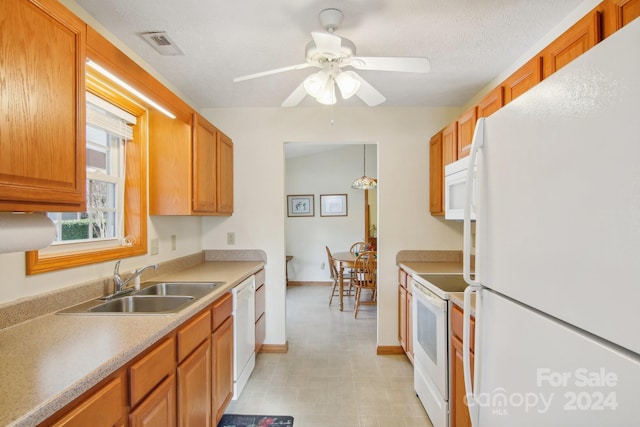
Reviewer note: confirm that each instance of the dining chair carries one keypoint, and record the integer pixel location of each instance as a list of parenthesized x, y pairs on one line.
[(358, 248), (335, 277), (365, 277)]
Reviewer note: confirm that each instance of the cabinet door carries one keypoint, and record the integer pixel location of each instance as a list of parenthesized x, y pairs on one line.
[(204, 166), (527, 76), (104, 408), (582, 36), (42, 145), (402, 313), (222, 351), (459, 410), (491, 103), (194, 388), (466, 127), (224, 188), (410, 325), (158, 409), (436, 175), (618, 13), (450, 144), (169, 165)]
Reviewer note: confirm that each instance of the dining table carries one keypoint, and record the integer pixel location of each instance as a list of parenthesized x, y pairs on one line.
[(343, 260)]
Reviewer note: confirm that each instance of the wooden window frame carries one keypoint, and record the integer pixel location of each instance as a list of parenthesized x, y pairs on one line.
[(135, 217)]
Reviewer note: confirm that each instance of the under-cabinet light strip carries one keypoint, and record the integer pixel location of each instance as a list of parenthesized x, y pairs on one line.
[(134, 91)]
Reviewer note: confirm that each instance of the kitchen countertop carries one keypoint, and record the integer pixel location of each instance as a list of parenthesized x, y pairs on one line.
[(47, 362)]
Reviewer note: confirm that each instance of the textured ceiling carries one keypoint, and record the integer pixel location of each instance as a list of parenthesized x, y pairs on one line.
[(468, 42)]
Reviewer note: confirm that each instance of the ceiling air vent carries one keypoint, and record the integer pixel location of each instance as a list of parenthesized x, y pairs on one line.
[(160, 41)]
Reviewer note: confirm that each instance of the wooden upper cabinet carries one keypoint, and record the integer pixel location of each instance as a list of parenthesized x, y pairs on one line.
[(436, 174), (450, 144), (204, 165), (224, 188), (42, 144), (582, 36), (617, 14), (491, 103), (526, 77), (169, 165), (190, 167), (466, 127)]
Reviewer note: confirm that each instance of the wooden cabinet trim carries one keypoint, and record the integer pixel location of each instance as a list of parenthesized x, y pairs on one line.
[(617, 14), (527, 76), (492, 102)]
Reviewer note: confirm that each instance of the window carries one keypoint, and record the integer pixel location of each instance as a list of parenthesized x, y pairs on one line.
[(114, 225)]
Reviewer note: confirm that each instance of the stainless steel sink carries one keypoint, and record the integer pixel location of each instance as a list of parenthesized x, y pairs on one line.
[(194, 289), (143, 304), (153, 298)]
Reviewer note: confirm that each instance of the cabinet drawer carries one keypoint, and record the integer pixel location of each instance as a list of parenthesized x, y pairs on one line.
[(456, 325), (149, 371), (260, 301), (193, 333), (104, 408), (222, 308)]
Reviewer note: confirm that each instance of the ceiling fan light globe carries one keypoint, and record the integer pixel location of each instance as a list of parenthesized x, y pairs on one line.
[(348, 84), (316, 83), (328, 96)]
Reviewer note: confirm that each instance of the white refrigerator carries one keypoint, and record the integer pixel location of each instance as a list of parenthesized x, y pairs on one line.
[(557, 246)]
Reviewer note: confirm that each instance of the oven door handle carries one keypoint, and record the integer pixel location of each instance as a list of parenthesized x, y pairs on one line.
[(433, 301)]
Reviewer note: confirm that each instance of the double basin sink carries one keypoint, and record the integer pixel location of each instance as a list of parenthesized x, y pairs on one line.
[(153, 298)]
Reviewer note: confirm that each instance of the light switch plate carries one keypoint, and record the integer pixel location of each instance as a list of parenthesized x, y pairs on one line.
[(231, 238), (155, 246)]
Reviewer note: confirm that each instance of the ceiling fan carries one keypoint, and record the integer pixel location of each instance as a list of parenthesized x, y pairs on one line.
[(330, 53)]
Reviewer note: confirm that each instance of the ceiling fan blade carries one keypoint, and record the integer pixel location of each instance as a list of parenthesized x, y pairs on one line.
[(368, 93), (270, 72), (296, 96), (381, 63), (327, 43)]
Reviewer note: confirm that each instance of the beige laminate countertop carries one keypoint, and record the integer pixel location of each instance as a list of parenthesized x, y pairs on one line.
[(47, 362)]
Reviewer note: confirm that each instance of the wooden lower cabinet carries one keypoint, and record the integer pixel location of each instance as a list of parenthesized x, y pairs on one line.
[(194, 388), (103, 408), (459, 412), (159, 408), (222, 367)]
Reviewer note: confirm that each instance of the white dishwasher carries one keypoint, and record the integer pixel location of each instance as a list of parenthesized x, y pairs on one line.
[(244, 334)]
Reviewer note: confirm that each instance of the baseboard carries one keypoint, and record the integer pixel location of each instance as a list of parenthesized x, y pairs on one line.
[(389, 350), (298, 283), (275, 348)]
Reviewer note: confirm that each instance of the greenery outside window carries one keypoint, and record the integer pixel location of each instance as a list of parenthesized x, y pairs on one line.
[(115, 223)]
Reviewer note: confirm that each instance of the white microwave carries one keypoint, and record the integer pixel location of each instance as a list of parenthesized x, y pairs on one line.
[(455, 190)]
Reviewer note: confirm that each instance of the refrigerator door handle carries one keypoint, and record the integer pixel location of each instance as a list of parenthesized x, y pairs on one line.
[(466, 356), (476, 145)]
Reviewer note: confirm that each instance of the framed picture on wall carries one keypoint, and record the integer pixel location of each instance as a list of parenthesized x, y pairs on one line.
[(300, 205), (333, 205)]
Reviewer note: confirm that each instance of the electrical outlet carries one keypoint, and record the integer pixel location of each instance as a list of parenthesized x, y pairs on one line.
[(173, 242), (231, 238), (155, 246), (322, 265)]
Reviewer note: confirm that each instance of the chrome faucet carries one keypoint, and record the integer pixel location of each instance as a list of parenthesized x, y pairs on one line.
[(120, 285)]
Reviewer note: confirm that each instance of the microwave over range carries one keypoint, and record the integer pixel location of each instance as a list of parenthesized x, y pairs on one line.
[(456, 175)]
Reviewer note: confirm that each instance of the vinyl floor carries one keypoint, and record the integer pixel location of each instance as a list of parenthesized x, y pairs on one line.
[(331, 375)]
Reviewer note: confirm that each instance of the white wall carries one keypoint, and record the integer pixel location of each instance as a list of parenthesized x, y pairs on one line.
[(328, 172), (402, 136)]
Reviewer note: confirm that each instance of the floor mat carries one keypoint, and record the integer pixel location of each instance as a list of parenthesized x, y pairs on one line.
[(236, 420)]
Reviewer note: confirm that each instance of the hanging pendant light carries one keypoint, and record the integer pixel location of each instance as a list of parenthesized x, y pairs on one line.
[(364, 182)]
